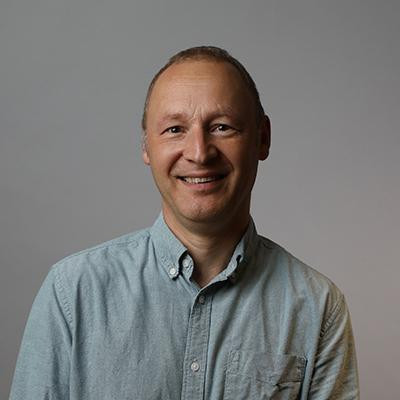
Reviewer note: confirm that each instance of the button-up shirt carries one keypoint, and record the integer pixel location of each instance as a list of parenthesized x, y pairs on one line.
[(125, 320)]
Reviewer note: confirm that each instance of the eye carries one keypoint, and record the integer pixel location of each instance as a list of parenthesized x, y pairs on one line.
[(174, 129), (222, 129)]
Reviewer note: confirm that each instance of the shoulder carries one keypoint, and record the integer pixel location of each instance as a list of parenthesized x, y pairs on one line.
[(296, 278), (102, 258)]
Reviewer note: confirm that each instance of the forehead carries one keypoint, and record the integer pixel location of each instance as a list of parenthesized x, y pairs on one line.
[(200, 70), (200, 82)]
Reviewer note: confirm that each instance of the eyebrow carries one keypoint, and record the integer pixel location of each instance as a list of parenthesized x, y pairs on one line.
[(170, 116), (173, 116)]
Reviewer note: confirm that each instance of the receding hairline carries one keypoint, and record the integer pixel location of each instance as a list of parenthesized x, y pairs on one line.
[(211, 54), (183, 75)]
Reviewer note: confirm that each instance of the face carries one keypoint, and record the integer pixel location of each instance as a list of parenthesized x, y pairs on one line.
[(203, 142)]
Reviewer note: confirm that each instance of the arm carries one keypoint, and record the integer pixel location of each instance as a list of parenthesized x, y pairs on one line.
[(335, 373), (42, 369)]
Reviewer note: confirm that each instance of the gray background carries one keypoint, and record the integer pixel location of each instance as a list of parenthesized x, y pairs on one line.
[(73, 76)]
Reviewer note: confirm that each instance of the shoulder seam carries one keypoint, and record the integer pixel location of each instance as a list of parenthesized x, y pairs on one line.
[(63, 297), (332, 316)]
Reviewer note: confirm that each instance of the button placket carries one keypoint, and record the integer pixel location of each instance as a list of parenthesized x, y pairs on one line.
[(196, 349)]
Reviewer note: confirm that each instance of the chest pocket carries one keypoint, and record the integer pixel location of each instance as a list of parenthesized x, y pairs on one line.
[(263, 376)]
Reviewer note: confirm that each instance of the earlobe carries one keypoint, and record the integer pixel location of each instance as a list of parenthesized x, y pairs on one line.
[(265, 132), (145, 157), (145, 154)]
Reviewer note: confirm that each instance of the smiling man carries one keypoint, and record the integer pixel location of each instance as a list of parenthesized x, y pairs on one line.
[(204, 138), (198, 306)]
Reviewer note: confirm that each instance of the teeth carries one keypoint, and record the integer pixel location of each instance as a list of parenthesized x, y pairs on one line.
[(199, 180)]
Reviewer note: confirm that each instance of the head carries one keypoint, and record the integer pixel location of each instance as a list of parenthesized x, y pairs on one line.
[(205, 132)]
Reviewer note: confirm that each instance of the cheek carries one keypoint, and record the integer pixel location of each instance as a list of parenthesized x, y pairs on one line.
[(163, 158), (246, 169), (244, 159)]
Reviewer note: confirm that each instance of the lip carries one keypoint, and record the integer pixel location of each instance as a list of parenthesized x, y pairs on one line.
[(203, 186), (201, 174)]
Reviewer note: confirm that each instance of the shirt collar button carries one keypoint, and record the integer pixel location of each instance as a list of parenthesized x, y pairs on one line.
[(173, 272), (186, 262)]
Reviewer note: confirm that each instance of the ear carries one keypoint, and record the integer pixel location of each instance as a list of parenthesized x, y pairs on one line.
[(145, 154), (265, 133)]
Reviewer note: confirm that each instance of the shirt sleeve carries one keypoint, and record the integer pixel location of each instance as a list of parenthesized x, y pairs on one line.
[(42, 369), (335, 374)]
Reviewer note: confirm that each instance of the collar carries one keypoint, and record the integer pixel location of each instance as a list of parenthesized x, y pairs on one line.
[(170, 250)]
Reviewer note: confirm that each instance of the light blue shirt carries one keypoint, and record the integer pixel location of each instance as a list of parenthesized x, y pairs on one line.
[(124, 320)]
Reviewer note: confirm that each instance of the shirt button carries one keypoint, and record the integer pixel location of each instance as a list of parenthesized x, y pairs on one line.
[(194, 366), (173, 272), (202, 299), (186, 263)]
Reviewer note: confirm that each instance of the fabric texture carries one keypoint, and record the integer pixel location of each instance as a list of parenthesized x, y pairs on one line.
[(124, 320)]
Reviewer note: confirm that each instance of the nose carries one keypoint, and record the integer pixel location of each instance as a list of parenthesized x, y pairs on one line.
[(199, 147)]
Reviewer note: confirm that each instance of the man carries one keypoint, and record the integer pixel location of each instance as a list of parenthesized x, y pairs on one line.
[(199, 306)]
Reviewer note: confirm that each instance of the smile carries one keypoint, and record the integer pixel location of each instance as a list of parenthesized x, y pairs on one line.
[(198, 180)]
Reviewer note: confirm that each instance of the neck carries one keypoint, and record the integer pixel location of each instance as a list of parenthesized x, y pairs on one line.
[(210, 246)]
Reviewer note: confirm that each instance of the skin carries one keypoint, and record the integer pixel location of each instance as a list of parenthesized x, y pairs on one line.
[(201, 123)]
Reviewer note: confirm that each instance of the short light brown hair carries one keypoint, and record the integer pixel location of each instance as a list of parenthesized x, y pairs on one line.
[(207, 53)]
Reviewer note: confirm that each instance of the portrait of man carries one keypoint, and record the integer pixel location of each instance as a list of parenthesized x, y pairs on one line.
[(199, 305)]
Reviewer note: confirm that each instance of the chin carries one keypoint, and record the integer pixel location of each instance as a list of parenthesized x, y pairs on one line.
[(205, 215)]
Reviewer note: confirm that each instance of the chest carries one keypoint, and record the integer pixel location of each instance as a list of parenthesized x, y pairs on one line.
[(216, 344)]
